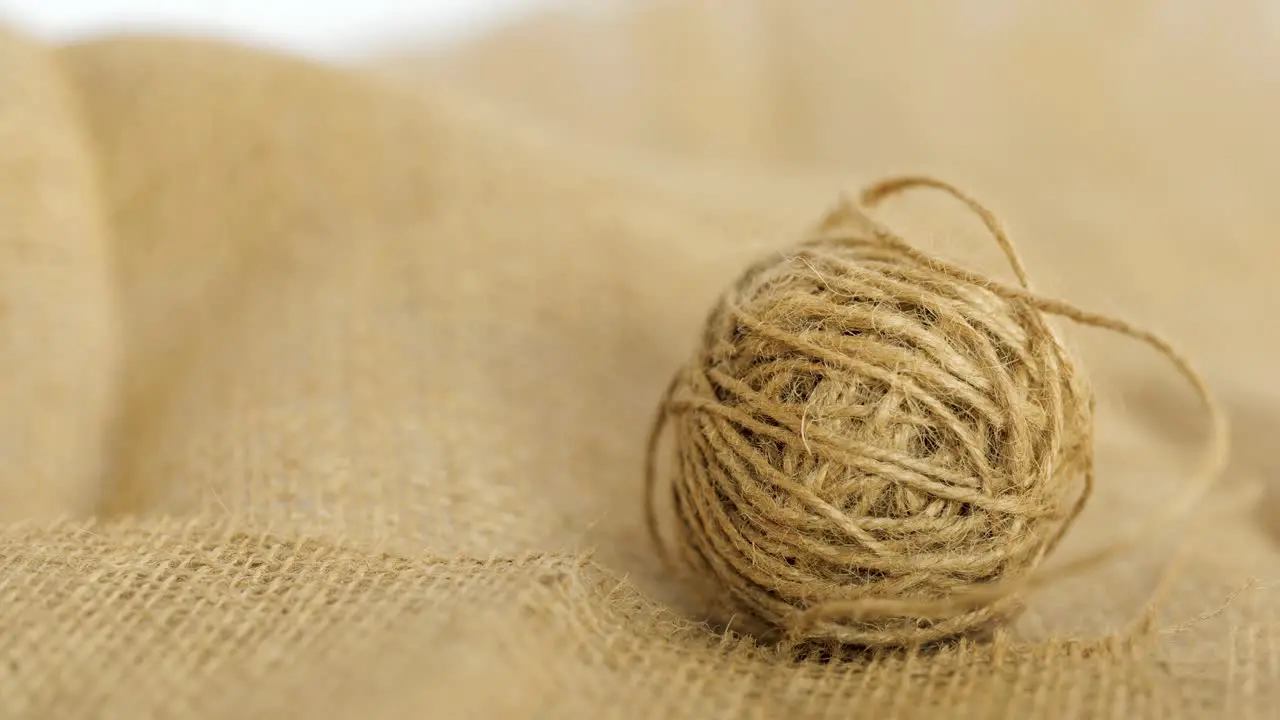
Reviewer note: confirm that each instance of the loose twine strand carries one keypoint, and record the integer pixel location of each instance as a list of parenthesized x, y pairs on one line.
[(1208, 473)]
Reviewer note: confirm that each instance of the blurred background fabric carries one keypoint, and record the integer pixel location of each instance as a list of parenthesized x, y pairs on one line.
[(332, 338), (1087, 124)]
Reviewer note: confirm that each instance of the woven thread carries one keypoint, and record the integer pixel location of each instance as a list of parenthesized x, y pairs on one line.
[(387, 356)]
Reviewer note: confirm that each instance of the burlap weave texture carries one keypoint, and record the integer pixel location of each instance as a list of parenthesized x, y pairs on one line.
[(326, 389)]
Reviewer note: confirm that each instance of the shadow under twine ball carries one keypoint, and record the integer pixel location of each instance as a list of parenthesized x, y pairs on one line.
[(864, 429)]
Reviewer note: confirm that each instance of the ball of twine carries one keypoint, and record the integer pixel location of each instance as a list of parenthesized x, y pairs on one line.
[(876, 447)]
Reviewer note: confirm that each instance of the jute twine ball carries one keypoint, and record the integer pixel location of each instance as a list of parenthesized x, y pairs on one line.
[(866, 434)]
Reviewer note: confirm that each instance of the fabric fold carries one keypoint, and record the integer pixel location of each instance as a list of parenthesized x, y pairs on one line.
[(59, 342)]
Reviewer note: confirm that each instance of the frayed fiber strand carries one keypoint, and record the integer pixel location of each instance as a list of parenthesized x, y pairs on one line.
[(878, 448)]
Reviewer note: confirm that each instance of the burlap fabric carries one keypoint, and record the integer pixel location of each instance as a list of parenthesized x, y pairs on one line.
[(325, 391)]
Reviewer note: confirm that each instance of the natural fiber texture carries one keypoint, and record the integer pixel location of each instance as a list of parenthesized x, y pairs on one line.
[(339, 381), (879, 440), (859, 426)]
